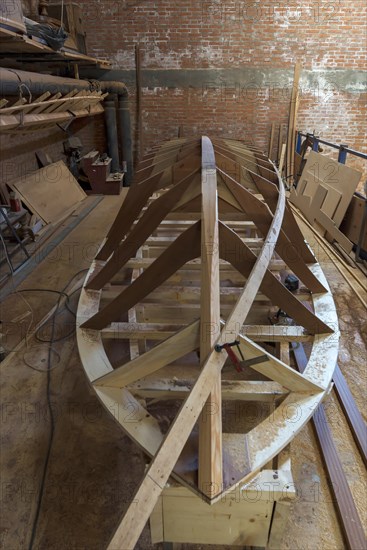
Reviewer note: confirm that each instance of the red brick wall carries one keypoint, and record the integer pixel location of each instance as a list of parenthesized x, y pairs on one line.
[(232, 34), (207, 36)]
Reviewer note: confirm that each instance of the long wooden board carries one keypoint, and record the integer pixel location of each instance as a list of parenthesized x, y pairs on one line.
[(50, 192)]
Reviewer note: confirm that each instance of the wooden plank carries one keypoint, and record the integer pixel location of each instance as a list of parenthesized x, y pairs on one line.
[(156, 523), (30, 122), (351, 225), (280, 518), (168, 293), (160, 331), (232, 390), (210, 421), (354, 278), (282, 157), (50, 192), (284, 247), (195, 265), (133, 417), (270, 193), (333, 231), (233, 521), (352, 414), (343, 498)]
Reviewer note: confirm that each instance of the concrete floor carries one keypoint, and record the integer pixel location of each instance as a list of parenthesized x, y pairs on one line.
[(94, 469)]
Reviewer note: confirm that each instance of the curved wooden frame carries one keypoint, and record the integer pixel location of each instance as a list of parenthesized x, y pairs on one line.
[(210, 239)]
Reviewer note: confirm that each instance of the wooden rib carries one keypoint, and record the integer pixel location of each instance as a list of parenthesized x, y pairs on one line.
[(261, 216), (270, 193), (225, 194), (135, 200), (231, 247), (174, 155), (161, 161), (133, 417), (184, 248), (251, 161), (210, 421), (343, 498), (161, 466), (141, 231), (178, 345)]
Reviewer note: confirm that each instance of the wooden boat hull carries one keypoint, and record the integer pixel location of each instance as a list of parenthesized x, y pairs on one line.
[(196, 261)]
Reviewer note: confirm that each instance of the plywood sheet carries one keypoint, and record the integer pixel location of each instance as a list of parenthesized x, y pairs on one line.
[(325, 185), (352, 222), (50, 192)]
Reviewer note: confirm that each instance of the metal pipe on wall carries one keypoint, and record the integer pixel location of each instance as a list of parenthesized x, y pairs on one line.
[(12, 81), (111, 126), (125, 138)]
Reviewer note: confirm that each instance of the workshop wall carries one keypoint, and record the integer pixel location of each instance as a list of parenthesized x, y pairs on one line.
[(226, 67)]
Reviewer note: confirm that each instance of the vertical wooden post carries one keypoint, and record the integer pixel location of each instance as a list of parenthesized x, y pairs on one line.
[(293, 109), (271, 139), (210, 421)]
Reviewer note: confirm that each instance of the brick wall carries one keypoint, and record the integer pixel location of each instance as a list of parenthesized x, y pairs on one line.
[(225, 67), (222, 68)]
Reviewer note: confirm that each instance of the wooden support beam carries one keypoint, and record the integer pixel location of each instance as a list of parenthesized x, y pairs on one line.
[(210, 421), (162, 354), (276, 370), (232, 390), (160, 331)]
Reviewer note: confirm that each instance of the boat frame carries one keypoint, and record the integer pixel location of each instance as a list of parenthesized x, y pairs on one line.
[(189, 214)]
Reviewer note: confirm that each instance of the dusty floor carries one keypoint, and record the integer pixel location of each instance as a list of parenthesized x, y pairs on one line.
[(93, 468)]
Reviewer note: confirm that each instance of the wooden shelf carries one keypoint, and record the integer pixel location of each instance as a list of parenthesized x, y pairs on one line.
[(14, 45)]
